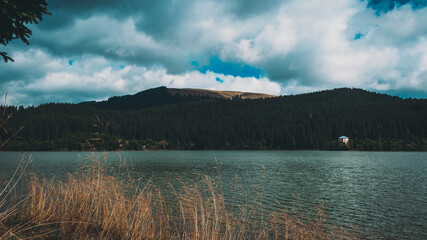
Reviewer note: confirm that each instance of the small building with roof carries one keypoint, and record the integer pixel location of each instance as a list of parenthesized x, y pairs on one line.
[(344, 139)]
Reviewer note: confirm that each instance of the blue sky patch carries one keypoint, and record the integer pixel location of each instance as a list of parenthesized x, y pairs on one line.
[(216, 65), (406, 93), (195, 63), (383, 6), (219, 80), (358, 36)]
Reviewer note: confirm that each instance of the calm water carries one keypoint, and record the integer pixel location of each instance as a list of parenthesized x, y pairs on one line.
[(383, 193)]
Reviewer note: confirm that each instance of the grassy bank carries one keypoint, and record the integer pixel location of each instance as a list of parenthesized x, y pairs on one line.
[(97, 203)]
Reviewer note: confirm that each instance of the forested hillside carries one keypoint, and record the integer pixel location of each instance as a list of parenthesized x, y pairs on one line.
[(309, 121)]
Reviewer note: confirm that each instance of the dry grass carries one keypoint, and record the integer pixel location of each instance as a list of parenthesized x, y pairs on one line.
[(93, 204), (217, 94)]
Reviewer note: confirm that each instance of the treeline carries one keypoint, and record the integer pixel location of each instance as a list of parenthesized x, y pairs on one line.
[(309, 121)]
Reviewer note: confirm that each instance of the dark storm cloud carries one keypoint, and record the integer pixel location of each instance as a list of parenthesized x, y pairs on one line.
[(70, 31), (247, 8), (157, 18), (66, 11), (154, 17), (161, 20), (80, 7), (298, 65)]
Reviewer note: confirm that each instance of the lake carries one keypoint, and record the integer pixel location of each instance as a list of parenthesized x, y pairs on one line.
[(384, 194)]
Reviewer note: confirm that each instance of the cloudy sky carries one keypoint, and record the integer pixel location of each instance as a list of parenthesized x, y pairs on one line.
[(94, 49)]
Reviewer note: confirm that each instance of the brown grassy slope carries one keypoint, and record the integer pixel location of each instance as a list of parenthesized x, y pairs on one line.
[(217, 94)]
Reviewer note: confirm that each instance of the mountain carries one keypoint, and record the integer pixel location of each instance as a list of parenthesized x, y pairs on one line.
[(164, 96), (316, 120)]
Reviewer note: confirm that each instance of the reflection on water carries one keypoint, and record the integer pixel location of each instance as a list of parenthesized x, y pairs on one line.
[(383, 193)]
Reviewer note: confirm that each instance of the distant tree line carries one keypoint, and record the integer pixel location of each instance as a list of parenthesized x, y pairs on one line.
[(308, 121)]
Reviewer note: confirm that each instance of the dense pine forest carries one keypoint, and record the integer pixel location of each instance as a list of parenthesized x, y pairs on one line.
[(160, 121)]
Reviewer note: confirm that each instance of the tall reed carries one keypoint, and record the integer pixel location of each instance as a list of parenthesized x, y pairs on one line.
[(95, 204)]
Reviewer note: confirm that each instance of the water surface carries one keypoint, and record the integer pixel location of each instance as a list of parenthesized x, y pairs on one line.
[(383, 193)]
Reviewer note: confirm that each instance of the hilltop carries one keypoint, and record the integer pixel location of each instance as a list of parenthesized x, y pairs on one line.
[(165, 96), (217, 94)]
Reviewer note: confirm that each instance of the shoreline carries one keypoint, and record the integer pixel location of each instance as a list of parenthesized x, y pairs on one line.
[(189, 150)]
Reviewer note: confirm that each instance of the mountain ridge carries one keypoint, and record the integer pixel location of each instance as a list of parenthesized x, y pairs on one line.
[(217, 93), (165, 96)]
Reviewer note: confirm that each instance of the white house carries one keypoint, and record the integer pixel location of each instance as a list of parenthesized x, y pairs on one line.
[(344, 139)]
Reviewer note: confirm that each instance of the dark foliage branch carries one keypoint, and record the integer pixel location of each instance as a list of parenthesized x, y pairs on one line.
[(14, 14)]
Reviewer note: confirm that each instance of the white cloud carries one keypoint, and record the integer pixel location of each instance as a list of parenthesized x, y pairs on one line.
[(94, 78), (300, 45)]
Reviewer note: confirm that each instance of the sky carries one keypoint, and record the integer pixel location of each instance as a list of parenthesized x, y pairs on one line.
[(95, 49)]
